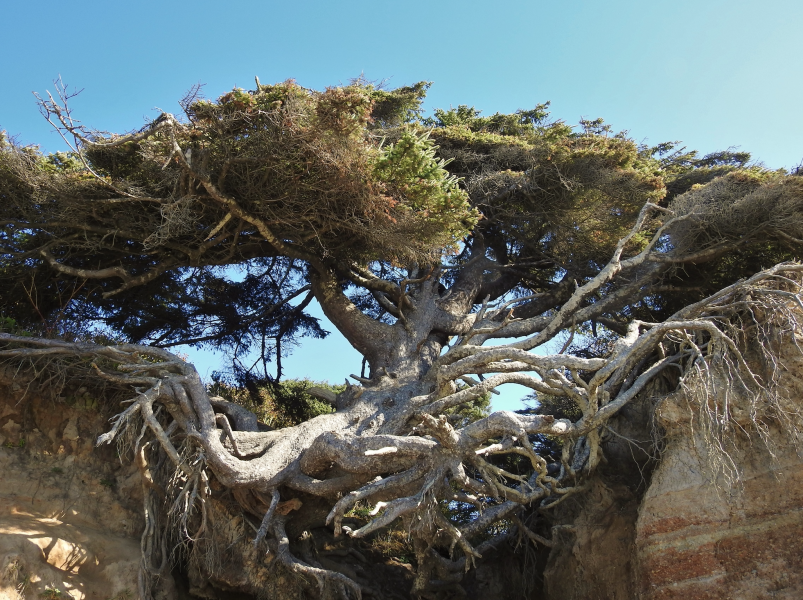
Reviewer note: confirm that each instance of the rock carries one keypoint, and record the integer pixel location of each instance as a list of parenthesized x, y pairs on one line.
[(11, 430), (699, 538), (71, 430), (593, 558)]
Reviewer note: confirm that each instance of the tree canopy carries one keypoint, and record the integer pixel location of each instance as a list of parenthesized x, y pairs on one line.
[(139, 231), (422, 239)]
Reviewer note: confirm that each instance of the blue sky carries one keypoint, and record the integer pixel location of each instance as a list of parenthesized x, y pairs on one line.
[(711, 73)]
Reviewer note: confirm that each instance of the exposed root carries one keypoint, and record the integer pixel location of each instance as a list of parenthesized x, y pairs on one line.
[(423, 466), (342, 586), (263, 528)]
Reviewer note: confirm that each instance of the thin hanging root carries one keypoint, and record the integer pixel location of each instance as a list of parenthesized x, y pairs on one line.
[(145, 472), (146, 410), (152, 543), (192, 484), (143, 404), (224, 423), (263, 528), (149, 536), (181, 505), (534, 537), (707, 337), (120, 420), (397, 508), (322, 576), (457, 537)]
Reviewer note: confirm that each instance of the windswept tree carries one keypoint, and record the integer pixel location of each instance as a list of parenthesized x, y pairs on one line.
[(455, 253)]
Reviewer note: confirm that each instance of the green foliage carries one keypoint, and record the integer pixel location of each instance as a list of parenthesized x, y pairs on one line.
[(281, 179), (283, 150), (460, 416), (522, 122), (392, 108), (561, 407), (10, 325), (346, 111), (595, 127), (412, 171), (752, 209), (395, 543), (308, 165), (61, 162), (52, 593), (294, 405), (682, 169), (277, 405), (549, 194), (462, 115)]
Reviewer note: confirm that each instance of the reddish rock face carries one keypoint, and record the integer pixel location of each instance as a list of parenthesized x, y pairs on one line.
[(695, 534), (702, 540)]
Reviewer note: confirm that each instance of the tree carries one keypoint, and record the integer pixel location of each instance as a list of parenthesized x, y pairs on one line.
[(422, 240)]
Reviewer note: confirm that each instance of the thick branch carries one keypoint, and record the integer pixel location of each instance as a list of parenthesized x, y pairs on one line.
[(369, 337)]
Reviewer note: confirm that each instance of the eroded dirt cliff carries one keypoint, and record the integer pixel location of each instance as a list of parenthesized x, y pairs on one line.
[(70, 513), (705, 538)]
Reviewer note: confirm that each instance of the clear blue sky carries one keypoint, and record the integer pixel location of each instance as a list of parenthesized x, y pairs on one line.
[(711, 73)]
